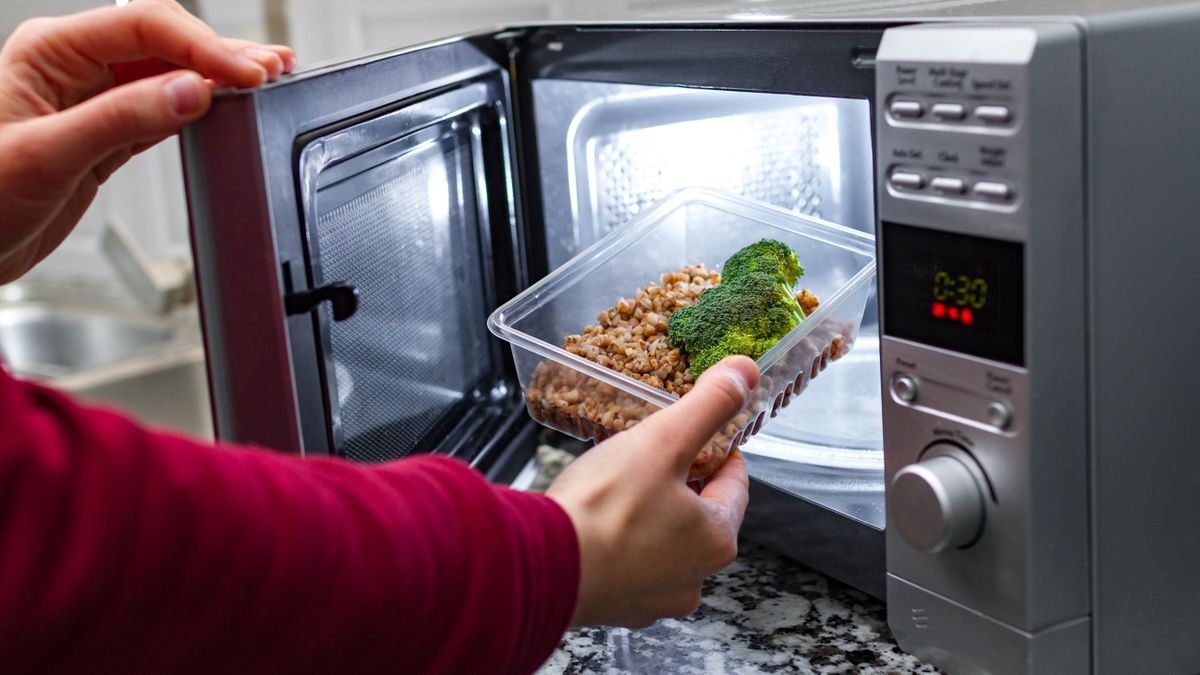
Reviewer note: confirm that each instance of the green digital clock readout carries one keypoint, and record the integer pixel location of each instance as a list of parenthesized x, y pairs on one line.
[(959, 292), (960, 289)]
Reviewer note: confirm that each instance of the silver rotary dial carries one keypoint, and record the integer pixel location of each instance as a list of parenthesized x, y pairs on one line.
[(938, 503)]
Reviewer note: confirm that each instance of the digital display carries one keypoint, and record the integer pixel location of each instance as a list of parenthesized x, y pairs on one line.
[(958, 294), (954, 291)]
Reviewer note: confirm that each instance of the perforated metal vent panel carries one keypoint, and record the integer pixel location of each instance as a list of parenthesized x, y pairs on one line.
[(417, 345), (768, 157), (608, 151)]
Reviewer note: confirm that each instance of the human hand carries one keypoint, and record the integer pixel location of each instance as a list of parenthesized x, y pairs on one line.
[(647, 540), (66, 123)]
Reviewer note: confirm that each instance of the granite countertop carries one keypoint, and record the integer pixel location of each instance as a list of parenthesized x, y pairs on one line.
[(763, 614)]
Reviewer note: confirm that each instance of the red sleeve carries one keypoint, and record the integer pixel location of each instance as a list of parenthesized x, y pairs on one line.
[(123, 550)]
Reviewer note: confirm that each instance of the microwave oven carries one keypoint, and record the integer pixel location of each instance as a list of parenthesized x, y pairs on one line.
[(1005, 455)]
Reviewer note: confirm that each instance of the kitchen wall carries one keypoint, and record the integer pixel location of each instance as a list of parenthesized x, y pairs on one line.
[(147, 194)]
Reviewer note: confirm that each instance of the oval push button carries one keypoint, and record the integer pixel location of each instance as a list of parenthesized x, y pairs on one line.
[(992, 190), (951, 112), (907, 109), (993, 114), (907, 180), (948, 185)]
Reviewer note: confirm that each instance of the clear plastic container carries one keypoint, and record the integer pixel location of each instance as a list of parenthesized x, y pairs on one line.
[(689, 226)]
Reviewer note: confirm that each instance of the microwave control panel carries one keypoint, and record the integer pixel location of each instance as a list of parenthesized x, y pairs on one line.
[(980, 227), (955, 132)]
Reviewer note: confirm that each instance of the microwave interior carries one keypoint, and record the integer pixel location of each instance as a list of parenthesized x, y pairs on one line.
[(607, 151), (621, 120), (440, 182)]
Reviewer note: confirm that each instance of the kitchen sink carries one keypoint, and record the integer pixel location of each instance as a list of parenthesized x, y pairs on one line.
[(39, 340), (107, 352)]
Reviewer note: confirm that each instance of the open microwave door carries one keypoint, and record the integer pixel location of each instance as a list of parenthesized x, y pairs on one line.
[(352, 228)]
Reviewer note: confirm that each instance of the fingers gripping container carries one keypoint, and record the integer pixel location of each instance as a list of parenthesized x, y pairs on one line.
[(591, 402)]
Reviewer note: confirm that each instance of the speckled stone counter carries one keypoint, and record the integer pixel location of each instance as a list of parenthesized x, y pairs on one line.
[(763, 614)]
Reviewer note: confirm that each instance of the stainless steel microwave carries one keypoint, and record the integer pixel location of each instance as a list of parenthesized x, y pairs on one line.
[(1008, 454)]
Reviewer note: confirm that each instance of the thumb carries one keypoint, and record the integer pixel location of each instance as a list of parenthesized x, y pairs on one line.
[(684, 428), (123, 116)]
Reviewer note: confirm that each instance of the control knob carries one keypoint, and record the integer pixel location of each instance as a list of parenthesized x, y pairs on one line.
[(938, 503)]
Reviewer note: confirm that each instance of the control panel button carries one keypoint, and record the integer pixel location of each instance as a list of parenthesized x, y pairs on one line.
[(907, 180), (948, 111), (905, 388), (948, 185), (993, 114), (999, 415), (988, 189), (907, 109)]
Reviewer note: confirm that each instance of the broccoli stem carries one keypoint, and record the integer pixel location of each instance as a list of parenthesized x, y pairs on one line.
[(797, 310)]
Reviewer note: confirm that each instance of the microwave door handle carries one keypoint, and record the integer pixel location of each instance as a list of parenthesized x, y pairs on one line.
[(342, 295)]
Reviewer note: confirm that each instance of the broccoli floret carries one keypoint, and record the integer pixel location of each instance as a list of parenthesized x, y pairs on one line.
[(769, 256), (747, 313), (744, 315)]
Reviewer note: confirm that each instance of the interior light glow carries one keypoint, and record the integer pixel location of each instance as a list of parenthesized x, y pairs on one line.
[(438, 172), (735, 153), (753, 16), (829, 147)]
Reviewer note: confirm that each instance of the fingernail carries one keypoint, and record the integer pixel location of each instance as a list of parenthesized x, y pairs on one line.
[(249, 62), (743, 371), (285, 54), (183, 94), (266, 56)]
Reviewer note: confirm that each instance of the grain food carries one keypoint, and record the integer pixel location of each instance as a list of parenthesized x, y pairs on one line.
[(631, 338)]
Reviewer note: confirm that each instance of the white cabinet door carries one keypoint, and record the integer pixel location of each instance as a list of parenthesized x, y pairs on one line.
[(323, 31), (238, 18)]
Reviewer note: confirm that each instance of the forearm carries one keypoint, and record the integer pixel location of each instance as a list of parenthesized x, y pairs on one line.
[(129, 550)]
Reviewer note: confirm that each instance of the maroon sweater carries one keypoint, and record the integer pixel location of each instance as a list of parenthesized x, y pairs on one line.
[(126, 550)]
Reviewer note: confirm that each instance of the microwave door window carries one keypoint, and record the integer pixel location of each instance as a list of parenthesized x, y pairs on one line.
[(389, 174), (404, 223), (409, 241)]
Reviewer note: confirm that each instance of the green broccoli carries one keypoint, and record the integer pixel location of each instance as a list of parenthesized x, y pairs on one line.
[(768, 255), (747, 313), (744, 315)]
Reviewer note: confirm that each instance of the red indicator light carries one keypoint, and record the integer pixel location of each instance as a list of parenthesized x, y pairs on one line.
[(939, 310), (968, 317), (952, 313)]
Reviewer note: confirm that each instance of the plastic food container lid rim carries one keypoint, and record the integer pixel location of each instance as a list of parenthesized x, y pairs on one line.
[(604, 250), (501, 321)]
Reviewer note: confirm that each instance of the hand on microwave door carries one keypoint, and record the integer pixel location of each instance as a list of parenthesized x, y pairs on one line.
[(68, 120), (647, 540)]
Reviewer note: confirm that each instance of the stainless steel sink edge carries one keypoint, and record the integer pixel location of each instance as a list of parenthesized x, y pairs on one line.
[(95, 344)]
